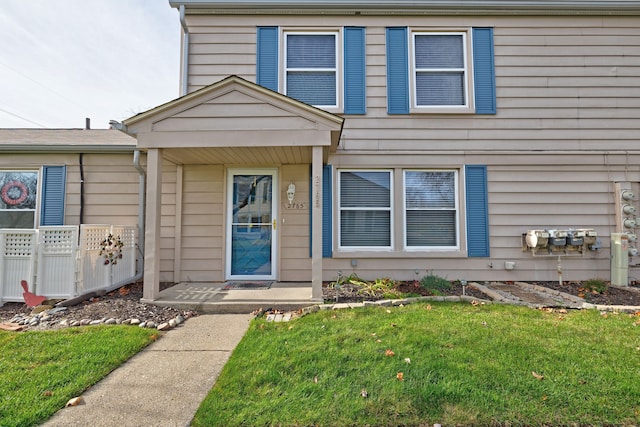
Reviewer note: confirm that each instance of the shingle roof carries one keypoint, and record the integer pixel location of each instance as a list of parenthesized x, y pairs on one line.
[(24, 139)]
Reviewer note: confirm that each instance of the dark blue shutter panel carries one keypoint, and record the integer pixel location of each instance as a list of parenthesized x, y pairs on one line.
[(484, 71), (477, 211), (267, 57), (53, 188), (397, 71), (327, 211), (354, 71)]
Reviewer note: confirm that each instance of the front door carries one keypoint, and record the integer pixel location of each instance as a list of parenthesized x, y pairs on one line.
[(251, 224)]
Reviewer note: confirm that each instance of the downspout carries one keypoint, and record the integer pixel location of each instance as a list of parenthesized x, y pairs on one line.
[(81, 164), (185, 52), (141, 211)]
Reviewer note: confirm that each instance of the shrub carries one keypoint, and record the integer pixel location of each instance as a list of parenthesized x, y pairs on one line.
[(435, 283), (595, 285)]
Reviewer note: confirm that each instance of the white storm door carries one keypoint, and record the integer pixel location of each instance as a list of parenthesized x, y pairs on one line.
[(251, 224)]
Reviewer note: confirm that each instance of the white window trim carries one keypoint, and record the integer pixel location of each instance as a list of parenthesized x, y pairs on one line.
[(337, 32), (468, 74), (456, 208), (390, 209)]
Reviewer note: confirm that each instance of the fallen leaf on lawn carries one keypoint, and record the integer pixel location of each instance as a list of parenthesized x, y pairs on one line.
[(400, 376), (428, 307), (378, 340), (389, 352), (388, 311), (407, 360), (562, 311), (75, 401), (364, 393), (537, 375), (474, 303), (544, 397), (393, 325), (48, 393), (315, 379)]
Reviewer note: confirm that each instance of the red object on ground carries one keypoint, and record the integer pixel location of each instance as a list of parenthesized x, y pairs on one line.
[(29, 297)]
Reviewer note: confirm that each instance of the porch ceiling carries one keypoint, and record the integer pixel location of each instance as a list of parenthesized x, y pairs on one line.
[(239, 155)]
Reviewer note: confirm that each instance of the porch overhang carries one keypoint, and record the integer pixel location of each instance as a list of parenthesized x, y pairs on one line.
[(236, 121)]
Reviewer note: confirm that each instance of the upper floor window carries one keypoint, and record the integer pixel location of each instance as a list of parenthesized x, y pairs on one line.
[(440, 70), (311, 68), (18, 199)]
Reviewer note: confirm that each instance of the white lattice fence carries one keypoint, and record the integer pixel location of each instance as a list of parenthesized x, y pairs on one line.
[(57, 262), (53, 264), (97, 273), (17, 260)]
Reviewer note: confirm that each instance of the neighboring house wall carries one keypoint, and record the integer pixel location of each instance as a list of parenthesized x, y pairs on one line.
[(567, 111), (110, 185)]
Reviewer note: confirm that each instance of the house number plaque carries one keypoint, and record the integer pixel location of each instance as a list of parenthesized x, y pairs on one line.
[(297, 206)]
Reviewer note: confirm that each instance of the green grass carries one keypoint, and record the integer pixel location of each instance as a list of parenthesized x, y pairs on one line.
[(41, 371), (469, 365)]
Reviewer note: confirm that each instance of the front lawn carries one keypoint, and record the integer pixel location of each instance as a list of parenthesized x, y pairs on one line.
[(41, 371), (453, 364)]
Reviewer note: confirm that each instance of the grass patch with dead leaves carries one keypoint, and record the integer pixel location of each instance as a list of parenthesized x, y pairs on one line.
[(41, 371), (453, 364)]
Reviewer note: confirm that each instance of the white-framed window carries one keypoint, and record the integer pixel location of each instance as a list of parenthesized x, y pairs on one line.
[(311, 63), (365, 209), (18, 198), (431, 209), (440, 74)]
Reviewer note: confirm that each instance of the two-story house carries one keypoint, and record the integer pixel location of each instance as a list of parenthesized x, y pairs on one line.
[(391, 138)]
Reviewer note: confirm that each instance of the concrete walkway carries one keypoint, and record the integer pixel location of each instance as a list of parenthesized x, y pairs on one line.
[(164, 384)]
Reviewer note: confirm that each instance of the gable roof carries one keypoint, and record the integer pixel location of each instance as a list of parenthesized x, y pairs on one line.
[(234, 113)]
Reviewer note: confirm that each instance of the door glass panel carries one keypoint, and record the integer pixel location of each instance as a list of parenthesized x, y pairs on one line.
[(251, 228)]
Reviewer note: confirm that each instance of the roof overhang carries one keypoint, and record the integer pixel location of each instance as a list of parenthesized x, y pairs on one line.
[(238, 115), (412, 7)]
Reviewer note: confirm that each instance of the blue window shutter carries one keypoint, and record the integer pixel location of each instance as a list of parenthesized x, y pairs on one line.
[(484, 76), (477, 211), (354, 71), (397, 71), (267, 57), (53, 188), (327, 223)]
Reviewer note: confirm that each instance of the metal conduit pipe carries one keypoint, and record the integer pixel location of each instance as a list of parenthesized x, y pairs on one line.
[(185, 52), (142, 201)]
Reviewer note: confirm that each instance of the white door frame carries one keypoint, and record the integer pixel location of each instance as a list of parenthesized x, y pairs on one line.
[(274, 220)]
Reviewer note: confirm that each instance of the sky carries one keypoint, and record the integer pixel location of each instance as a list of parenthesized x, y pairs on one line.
[(62, 61)]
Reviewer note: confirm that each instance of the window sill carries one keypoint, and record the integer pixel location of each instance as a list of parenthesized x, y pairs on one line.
[(442, 110), (399, 254)]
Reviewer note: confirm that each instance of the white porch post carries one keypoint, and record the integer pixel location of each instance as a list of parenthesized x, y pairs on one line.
[(316, 224), (151, 287)]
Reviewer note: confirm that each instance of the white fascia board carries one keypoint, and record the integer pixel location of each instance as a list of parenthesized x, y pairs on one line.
[(399, 7)]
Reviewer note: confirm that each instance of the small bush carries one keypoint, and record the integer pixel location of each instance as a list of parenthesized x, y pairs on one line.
[(595, 285), (435, 283)]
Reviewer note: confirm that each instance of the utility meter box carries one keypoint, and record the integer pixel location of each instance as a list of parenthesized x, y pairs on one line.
[(620, 259)]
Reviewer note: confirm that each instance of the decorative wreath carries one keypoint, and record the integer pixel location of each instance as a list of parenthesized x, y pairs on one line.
[(14, 193), (111, 249)]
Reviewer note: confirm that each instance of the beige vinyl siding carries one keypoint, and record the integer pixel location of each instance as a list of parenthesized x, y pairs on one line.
[(167, 223), (294, 225), (202, 223), (566, 129)]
